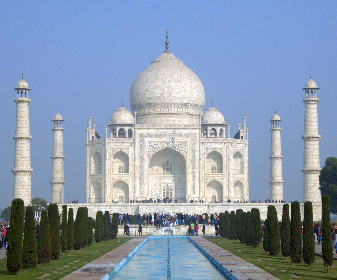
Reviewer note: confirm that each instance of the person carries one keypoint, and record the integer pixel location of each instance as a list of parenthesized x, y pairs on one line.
[(204, 229), (1, 238), (192, 229), (125, 229), (139, 218), (196, 229), (140, 230), (216, 229)]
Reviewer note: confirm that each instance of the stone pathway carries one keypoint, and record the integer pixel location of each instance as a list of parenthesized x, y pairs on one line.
[(3, 253), (98, 268), (240, 268)]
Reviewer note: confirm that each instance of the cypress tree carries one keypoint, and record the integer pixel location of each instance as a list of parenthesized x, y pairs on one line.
[(108, 225), (238, 223), (274, 234), (247, 229), (243, 228), (54, 223), (295, 233), (43, 242), (256, 227), (285, 232), (266, 236), (64, 229), (29, 253), (233, 231), (326, 232), (98, 227), (70, 229), (78, 229), (85, 226), (222, 224), (308, 234), (89, 225), (226, 226), (14, 245), (114, 225)]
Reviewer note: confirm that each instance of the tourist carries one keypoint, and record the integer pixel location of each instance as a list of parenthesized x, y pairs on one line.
[(1, 238), (140, 230), (192, 229), (139, 219), (150, 219), (216, 229), (204, 229), (196, 229)]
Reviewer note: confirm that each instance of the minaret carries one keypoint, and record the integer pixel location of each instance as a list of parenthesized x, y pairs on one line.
[(22, 164), (276, 182), (57, 179), (311, 165)]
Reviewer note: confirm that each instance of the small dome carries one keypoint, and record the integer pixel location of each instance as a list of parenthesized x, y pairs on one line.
[(213, 116), (122, 116), (311, 84), (275, 117), (22, 84), (58, 117)]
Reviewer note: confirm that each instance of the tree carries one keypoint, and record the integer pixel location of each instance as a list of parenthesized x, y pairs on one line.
[(29, 252), (85, 227), (326, 232), (98, 228), (70, 229), (64, 229), (256, 227), (266, 236), (43, 242), (247, 229), (274, 234), (233, 231), (243, 228), (6, 213), (54, 223), (238, 223), (222, 224), (90, 227), (295, 233), (107, 229), (14, 246), (79, 229), (328, 182), (114, 225), (308, 234), (226, 226), (39, 204), (285, 232)]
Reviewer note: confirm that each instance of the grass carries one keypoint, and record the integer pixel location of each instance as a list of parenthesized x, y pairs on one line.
[(69, 262), (277, 265)]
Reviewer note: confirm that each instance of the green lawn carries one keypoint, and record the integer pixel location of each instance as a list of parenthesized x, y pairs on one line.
[(71, 261), (277, 266)]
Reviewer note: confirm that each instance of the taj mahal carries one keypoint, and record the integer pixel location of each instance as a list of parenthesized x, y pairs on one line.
[(166, 154)]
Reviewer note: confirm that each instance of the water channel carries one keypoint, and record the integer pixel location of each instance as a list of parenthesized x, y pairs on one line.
[(168, 258)]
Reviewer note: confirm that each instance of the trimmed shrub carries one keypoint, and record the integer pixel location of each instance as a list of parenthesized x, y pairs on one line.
[(326, 232), (243, 228), (14, 245), (247, 229), (233, 231), (114, 225), (274, 234), (85, 227), (43, 242), (308, 234), (90, 227), (107, 228), (54, 222), (98, 228), (79, 229), (266, 236), (285, 232), (295, 233), (238, 223), (29, 252), (64, 229), (256, 227), (70, 229), (227, 224), (222, 224)]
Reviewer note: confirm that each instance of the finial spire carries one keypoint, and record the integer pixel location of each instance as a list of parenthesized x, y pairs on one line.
[(22, 76), (310, 76), (167, 43), (212, 102), (275, 111), (122, 103)]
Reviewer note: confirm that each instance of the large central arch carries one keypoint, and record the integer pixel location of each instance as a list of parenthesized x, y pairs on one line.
[(167, 175)]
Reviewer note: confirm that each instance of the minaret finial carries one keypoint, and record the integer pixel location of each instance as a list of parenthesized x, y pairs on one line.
[(167, 42), (122, 103), (310, 76), (275, 111), (22, 76), (212, 102)]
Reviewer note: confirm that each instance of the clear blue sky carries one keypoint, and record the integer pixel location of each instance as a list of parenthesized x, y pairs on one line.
[(81, 57)]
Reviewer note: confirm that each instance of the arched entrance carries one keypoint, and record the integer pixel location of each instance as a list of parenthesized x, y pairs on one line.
[(214, 192), (120, 192), (167, 175)]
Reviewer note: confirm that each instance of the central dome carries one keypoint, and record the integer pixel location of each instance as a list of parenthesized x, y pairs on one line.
[(167, 87)]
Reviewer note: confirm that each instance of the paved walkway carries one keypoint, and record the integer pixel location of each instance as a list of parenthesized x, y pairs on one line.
[(3, 253)]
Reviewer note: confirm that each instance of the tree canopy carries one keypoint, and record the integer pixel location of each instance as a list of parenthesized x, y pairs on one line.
[(39, 204), (328, 182), (6, 213)]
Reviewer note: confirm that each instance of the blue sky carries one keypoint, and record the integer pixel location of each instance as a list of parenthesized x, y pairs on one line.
[(81, 57)]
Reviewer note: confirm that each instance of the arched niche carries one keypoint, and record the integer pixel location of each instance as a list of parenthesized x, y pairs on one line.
[(212, 133), (214, 162), (214, 191), (238, 163), (96, 163), (238, 191), (120, 192), (96, 192), (120, 163), (121, 133)]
